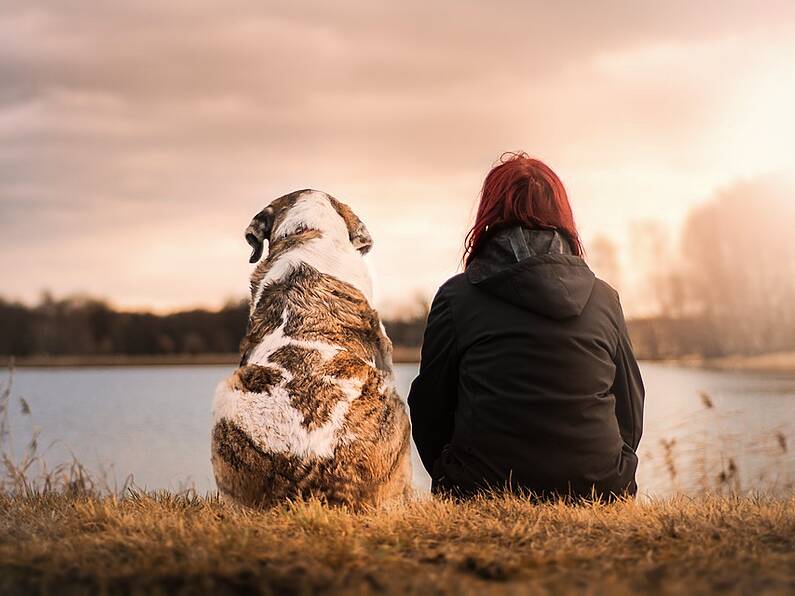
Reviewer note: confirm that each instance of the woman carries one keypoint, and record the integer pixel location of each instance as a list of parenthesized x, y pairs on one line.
[(528, 380)]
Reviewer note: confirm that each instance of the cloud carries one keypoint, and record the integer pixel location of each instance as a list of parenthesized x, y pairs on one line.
[(136, 138)]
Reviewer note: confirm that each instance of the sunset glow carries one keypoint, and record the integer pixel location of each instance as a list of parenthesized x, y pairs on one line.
[(137, 141)]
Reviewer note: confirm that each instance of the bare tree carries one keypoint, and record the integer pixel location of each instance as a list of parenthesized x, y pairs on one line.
[(604, 260), (740, 255), (656, 256)]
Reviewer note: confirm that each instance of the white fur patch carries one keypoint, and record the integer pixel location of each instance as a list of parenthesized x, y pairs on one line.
[(275, 425), (273, 341), (270, 420), (313, 210)]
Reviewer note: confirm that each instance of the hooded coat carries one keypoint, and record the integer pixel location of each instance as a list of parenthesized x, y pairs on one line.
[(527, 379)]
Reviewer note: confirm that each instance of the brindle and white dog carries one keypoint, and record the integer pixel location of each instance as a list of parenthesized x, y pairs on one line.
[(312, 409)]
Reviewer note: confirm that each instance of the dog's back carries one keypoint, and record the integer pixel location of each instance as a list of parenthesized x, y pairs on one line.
[(312, 409)]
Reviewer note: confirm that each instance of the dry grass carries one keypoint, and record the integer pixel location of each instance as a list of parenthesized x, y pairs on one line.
[(186, 544), (63, 531)]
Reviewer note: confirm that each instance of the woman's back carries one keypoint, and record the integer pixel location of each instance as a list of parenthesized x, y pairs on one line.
[(536, 348), (527, 377)]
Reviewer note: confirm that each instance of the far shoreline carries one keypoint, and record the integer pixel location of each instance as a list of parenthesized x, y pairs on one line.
[(401, 356), (769, 363), (772, 363)]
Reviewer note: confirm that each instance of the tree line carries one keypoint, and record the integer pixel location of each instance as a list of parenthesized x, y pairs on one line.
[(725, 286), (81, 326)]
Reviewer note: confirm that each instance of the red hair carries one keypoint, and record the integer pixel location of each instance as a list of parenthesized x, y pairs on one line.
[(524, 191)]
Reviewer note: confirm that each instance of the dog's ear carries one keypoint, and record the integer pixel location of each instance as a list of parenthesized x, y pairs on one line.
[(357, 231), (258, 231)]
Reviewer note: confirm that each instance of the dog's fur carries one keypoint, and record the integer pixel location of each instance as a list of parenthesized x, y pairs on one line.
[(312, 409)]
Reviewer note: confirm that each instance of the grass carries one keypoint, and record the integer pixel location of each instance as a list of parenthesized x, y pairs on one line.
[(64, 531), (185, 544)]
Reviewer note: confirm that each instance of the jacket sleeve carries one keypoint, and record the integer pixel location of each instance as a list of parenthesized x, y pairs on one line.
[(628, 388), (433, 396)]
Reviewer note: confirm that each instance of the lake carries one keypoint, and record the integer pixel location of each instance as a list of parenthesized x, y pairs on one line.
[(703, 429)]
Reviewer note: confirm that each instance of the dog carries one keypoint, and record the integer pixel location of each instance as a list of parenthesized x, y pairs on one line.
[(312, 409)]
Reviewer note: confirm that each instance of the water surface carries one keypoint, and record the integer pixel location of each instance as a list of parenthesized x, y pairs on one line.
[(154, 423)]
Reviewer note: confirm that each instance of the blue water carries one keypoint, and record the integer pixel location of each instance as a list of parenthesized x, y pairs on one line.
[(154, 422)]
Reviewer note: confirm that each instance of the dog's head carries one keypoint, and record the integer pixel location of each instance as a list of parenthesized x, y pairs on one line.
[(304, 210)]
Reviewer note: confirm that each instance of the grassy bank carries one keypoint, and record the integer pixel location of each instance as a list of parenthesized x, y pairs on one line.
[(772, 363), (183, 544), (401, 355)]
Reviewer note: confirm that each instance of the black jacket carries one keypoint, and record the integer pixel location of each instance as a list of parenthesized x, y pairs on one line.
[(527, 379)]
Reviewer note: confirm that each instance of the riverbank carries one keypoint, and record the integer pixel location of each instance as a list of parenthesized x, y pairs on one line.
[(401, 355), (771, 363), (774, 363), (184, 544)]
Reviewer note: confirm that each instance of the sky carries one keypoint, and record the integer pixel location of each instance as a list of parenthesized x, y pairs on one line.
[(137, 139)]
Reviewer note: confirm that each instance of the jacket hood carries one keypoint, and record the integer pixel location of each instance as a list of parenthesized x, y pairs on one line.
[(535, 270)]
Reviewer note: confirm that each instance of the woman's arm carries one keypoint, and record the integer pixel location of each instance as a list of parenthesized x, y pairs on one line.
[(628, 388), (433, 396)]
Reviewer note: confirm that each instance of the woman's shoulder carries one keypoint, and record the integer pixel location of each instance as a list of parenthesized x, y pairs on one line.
[(457, 282), (449, 293), (604, 289), (605, 295), (453, 288)]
